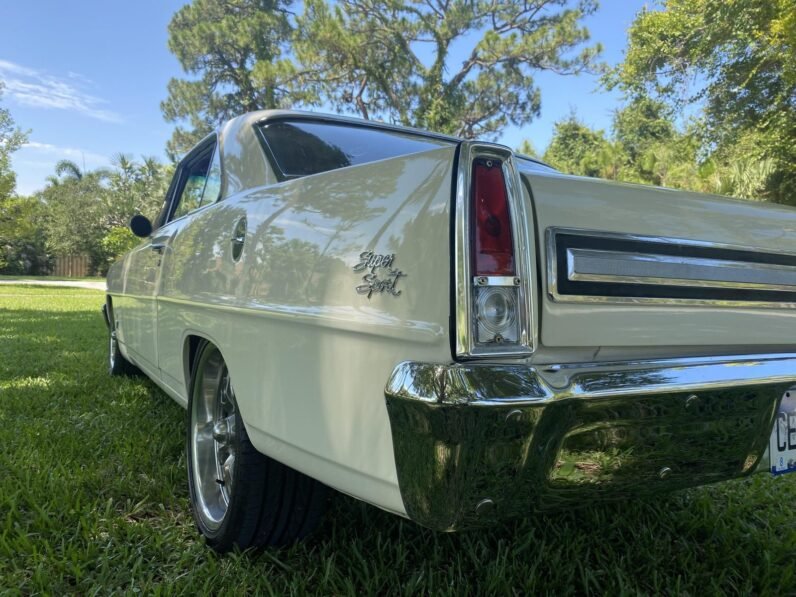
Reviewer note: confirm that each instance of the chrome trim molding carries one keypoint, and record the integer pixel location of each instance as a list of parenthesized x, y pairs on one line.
[(612, 266), (527, 439), (590, 266), (466, 333)]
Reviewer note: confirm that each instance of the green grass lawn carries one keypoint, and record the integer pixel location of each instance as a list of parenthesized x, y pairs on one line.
[(93, 500), (45, 278)]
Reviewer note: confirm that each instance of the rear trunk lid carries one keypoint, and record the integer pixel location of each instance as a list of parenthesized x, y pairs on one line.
[(631, 265)]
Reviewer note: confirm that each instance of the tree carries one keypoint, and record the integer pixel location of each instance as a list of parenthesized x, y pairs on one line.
[(74, 207), (88, 212), (527, 148), (22, 240), (377, 58), (235, 48), (646, 147), (394, 59), (641, 123), (11, 139), (733, 58), (575, 148)]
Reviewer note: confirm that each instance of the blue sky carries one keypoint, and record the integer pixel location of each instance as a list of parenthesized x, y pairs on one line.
[(88, 77)]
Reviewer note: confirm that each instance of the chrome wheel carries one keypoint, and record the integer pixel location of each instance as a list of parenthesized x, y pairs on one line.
[(213, 443)]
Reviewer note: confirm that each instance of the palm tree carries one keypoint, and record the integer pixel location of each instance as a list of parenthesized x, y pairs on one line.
[(68, 169)]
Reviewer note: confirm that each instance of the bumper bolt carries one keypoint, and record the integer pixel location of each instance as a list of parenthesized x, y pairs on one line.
[(221, 432)]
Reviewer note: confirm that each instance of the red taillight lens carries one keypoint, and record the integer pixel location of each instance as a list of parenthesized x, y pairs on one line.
[(493, 246)]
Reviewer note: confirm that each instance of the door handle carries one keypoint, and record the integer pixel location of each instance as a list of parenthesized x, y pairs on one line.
[(238, 238)]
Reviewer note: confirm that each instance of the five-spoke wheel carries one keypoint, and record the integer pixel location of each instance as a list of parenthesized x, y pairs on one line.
[(213, 425)]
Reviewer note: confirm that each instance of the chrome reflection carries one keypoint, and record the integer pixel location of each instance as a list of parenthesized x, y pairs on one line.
[(521, 439)]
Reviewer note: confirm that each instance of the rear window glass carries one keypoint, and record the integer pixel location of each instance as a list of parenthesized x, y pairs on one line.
[(304, 148)]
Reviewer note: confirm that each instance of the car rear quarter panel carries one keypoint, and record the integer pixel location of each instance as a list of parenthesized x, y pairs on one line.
[(309, 356)]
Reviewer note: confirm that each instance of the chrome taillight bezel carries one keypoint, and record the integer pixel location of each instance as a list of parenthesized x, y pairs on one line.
[(465, 280)]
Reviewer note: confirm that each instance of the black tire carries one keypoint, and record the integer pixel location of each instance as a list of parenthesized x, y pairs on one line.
[(117, 364), (257, 501)]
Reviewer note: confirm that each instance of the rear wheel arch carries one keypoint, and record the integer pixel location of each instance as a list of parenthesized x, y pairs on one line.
[(190, 351), (265, 503)]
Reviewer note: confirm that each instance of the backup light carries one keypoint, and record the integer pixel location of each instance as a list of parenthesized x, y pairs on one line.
[(496, 314)]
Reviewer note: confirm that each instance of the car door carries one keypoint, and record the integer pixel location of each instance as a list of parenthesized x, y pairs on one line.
[(139, 313), (188, 192), (198, 186)]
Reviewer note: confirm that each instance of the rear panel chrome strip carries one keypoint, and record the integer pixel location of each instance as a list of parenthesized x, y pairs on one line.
[(612, 266), (591, 266)]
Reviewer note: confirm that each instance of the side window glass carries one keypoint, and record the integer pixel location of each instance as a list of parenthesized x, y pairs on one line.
[(193, 180), (213, 184)]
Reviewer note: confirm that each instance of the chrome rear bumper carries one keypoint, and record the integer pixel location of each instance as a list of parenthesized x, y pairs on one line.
[(477, 443)]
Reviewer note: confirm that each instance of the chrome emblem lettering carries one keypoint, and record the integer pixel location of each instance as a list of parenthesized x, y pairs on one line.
[(378, 282)]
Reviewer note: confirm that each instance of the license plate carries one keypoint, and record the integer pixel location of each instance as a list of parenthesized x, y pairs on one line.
[(782, 445)]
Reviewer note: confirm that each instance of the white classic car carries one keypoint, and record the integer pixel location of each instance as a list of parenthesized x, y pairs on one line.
[(449, 331)]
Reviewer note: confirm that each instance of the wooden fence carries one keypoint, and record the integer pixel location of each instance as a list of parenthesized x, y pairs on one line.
[(71, 266)]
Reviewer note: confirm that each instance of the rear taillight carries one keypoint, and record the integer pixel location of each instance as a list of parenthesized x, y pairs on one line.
[(493, 245), (493, 312), (493, 255)]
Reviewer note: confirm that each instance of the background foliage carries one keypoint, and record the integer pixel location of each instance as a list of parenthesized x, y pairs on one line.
[(376, 58), (731, 65), (11, 139), (709, 88), (89, 212)]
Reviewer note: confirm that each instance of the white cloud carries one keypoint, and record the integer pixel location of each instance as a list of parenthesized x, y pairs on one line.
[(93, 160), (7, 66), (35, 88), (35, 161)]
